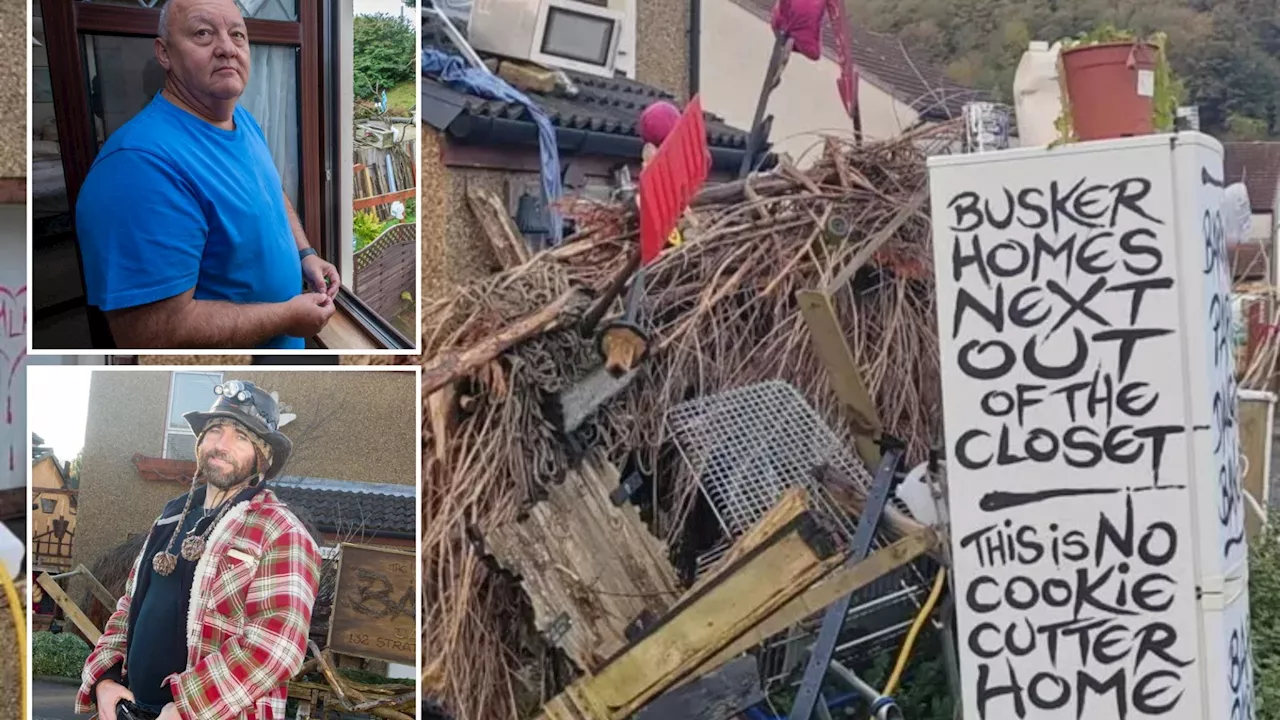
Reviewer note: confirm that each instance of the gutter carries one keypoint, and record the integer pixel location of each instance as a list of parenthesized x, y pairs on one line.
[(470, 129), (369, 534), (695, 46)]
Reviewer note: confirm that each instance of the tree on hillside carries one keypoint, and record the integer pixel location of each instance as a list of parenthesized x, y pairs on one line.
[(1226, 51), (385, 48)]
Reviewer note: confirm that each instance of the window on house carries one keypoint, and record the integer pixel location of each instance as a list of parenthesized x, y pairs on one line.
[(124, 76), (188, 392), (375, 246), (47, 505), (95, 69)]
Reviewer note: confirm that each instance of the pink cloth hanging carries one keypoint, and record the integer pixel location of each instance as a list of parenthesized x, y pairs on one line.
[(801, 20)]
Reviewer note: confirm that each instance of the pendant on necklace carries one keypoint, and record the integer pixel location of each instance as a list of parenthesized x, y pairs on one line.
[(165, 562), (192, 548)]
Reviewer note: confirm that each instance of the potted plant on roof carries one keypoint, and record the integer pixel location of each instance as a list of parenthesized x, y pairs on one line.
[(1116, 84)]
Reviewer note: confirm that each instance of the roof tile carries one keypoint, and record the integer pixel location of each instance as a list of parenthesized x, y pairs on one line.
[(885, 60), (607, 105), (342, 511), (1258, 165)]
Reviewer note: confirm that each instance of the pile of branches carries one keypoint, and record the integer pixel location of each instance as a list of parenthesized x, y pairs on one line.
[(722, 312)]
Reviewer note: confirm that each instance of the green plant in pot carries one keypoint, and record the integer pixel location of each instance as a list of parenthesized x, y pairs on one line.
[(1122, 85)]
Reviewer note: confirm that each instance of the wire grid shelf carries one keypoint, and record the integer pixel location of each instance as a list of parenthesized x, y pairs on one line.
[(749, 445)]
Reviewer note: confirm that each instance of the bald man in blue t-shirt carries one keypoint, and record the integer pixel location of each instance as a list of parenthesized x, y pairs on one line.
[(187, 238)]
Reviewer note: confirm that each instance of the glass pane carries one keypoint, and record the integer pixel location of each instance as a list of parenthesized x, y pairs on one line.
[(192, 392), (124, 76), (128, 3), (272, 98), (384, 232), (48, 188), (181, 446), (269, 9), (578, 36)]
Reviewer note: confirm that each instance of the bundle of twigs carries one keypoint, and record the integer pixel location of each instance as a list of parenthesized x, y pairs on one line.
[(723, 313)]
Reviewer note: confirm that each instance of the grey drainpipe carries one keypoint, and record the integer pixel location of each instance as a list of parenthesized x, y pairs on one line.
[(695, 46)]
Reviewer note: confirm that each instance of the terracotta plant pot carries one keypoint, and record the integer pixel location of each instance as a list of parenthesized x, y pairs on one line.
[(1111, 89)]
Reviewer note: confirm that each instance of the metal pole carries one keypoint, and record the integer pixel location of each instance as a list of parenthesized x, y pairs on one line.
[(781, 49), (833, 620)]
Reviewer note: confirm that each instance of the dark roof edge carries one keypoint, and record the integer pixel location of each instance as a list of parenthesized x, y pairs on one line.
[(479, 130), (368, 533)]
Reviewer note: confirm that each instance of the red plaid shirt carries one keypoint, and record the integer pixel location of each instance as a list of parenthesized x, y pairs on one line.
[(247, 625)]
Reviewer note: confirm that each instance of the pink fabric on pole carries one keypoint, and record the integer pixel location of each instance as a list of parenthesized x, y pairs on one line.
[(847, 83), (801, 20)]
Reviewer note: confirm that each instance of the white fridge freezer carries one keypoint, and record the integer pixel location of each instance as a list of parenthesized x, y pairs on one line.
[(1089, 404)]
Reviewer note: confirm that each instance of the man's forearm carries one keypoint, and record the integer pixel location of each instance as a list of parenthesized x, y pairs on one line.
[(201, 324), (295, 224)]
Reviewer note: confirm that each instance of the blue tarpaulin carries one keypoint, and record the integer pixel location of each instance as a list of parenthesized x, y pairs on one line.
[(453, 71)]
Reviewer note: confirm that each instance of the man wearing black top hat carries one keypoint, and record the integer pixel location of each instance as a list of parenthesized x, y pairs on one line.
[(216, 611)]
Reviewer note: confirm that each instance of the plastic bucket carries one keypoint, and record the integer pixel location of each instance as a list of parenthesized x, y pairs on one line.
[(1111, 89)]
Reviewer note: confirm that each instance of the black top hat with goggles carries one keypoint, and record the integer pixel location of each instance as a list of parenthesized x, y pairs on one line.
[(255, 409)]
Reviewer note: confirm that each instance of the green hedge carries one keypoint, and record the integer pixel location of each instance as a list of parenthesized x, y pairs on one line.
[(1264, 622), (60, 655)]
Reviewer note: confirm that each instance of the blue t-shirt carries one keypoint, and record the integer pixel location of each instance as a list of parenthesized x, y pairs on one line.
[(173, 202)]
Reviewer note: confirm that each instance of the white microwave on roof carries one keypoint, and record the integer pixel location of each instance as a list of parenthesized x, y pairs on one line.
[(569, 34)]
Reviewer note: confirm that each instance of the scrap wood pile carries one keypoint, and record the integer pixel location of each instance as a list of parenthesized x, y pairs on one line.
[(320, 676), (722, 313)]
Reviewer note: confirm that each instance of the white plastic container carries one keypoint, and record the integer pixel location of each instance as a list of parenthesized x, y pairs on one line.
[(11, 552), (1037, 96)]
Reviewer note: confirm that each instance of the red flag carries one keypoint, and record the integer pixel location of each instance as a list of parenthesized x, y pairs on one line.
[(847, 83), (669, 182)]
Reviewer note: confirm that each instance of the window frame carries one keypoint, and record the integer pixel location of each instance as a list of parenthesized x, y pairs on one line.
[(314, 35), (168, 412), (65, 21), (336, 99)]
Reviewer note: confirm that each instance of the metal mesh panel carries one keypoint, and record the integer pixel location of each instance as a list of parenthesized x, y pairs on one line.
[(750, 445), (747, 447)]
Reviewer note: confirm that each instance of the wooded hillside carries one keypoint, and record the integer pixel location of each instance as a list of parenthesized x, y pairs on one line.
[(1226, 51)]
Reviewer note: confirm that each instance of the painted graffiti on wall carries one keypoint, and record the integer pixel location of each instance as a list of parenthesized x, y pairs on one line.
[(1058, 302), (13, 355)]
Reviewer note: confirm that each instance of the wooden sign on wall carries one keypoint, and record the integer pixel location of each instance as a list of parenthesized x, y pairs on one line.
[(375, 605)]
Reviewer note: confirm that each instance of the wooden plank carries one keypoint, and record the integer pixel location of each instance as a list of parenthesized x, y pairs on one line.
[(375, 605), (510, 248), (13, 503), (832, 349), (384, 199), (584, 560), (839, 583), (765, 580), (753, 589), (99, 590), (1255, 429), (765, 591), (343, 333), (69, 608), (718, 695)]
